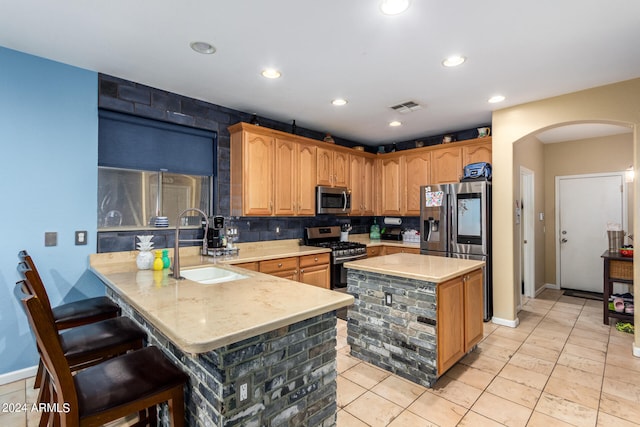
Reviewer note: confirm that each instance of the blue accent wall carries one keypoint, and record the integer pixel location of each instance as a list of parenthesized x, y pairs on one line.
[(48, 183)]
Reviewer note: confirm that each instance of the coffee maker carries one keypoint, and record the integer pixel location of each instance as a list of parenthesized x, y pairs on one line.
[(215, 234)]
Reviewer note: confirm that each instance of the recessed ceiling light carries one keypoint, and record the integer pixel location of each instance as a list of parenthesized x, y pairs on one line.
[(395, 123), (454, 61), (393, 7), (339, 102), (271, 73), (496, 98), (203, 47)]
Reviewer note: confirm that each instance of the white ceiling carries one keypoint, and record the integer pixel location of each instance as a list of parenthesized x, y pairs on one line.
[(325, 49)]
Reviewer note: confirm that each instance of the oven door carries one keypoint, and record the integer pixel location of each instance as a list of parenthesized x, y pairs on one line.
[(339, 273)]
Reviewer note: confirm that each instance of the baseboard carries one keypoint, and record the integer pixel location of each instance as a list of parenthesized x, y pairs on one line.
[(505, 322), (550, 286), (18, 375), (636, 350)]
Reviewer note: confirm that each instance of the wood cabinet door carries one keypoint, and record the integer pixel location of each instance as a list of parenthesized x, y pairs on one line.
[(473, 307), (450, 314), (285, 173), (258, 169), (446, 166), (417, 172), (324, 167), (474, 153), (368, 187), (341, 169), (318, 275), (356, 164), (390, 194), (306, 172)]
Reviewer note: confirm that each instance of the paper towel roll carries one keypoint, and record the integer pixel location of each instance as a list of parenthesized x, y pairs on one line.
[(392, 221)]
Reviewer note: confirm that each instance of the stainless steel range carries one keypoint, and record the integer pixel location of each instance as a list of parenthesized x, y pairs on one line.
[(341, 252)]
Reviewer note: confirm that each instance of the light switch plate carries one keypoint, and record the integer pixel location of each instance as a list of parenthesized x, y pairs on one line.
[(81, 237)]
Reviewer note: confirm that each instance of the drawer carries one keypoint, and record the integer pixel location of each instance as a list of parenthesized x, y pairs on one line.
[(254, 266), (311, 260), (621, 270), (280, 264), (375, 251), (400, 250)]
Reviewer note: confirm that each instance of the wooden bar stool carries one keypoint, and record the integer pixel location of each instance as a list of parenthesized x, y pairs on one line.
[(75, 313), (85, 345), (124, 385)]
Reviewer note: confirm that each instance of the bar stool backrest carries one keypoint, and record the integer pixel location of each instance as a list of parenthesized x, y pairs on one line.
[(52, 355)]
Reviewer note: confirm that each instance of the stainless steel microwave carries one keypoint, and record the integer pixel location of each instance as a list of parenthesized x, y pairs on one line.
[(333, 200)]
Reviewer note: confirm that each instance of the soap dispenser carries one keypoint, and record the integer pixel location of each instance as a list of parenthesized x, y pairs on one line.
[(374, 234)]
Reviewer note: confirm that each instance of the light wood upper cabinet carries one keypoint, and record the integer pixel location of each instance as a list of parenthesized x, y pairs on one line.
[(478, 152), (391, 185), (286, 157), (333, 168), (447, 165), (271, 174), (417, 172), (306, 171), (252, 168), (362, 173)]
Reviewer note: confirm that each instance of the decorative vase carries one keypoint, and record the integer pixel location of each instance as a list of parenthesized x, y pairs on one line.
[(166, 261), (158, 264), (144, 260)]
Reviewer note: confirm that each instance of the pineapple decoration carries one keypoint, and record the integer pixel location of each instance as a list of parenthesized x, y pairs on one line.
[(145, 257)]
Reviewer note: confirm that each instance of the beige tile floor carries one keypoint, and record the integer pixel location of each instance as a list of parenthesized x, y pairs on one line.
[(560, 367)]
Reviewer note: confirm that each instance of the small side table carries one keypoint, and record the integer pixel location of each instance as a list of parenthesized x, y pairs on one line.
[(616, 269)]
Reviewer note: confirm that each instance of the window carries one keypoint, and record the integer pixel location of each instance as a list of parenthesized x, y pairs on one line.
[(148, 168), (130, 198)]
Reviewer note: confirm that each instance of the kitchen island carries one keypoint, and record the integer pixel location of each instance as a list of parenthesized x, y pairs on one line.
[(414, 315), (259, 350)]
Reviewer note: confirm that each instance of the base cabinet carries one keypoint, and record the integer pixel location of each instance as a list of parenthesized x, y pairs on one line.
[(310, 269), (459, 324)]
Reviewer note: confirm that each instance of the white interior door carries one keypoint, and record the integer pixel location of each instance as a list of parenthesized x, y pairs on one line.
[(584, 205)]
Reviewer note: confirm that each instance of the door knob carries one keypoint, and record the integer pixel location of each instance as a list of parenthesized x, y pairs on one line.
[(563, 240)]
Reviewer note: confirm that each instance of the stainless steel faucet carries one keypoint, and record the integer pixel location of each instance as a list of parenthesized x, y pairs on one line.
[(176, 249)]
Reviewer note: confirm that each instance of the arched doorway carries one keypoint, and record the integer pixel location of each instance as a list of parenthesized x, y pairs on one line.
[(617, 104)]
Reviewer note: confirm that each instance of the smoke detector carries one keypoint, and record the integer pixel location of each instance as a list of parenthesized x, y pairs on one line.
[(406, 107)]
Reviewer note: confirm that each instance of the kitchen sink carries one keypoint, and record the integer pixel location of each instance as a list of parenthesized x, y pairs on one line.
[(211, 275)]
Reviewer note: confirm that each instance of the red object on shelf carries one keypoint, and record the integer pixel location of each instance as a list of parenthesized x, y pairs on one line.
[(626, 252)]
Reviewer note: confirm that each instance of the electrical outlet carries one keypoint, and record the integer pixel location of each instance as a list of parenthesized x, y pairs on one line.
[(244, 392), (388, 298), (81, 238), (243, 385)]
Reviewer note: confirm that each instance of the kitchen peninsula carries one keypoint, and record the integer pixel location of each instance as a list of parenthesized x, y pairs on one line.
[(414, 315), (258, 350)]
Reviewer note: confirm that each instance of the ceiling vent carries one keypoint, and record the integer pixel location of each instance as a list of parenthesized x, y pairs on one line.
[(406, 107)]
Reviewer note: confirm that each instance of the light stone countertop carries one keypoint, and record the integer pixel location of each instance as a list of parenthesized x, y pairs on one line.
[(413, 266), (199, 318)]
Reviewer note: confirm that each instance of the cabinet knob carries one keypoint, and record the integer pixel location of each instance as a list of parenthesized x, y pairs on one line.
[(279, 265), (302, 270), (315, 259)]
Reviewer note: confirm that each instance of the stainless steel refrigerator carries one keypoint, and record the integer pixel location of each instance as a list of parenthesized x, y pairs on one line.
[(455, 221)]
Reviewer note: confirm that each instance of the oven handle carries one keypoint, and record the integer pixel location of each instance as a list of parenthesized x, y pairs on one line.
[(349, 258)]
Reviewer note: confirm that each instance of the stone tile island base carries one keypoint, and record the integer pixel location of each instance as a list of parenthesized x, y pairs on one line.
[(291, 376), (400, 337)]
